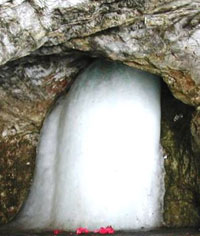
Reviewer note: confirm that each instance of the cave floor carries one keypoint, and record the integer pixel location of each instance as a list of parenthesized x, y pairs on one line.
[(160, 232)]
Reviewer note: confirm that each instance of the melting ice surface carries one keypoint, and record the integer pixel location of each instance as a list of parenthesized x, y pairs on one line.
[(98, 161)]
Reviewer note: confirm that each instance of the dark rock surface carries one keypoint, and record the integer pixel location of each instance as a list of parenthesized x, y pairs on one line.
[(181, 207)]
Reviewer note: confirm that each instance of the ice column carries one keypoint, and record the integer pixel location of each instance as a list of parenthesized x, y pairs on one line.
[(98, 161)]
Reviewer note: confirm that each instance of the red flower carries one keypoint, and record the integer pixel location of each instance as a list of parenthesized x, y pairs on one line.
[(110, 230), (82, 231), (107, 230), (102, 230), (56, 231)]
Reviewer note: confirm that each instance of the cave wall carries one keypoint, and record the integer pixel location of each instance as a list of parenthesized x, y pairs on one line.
[(28, 89), (181, 201), (159, 36), (36, 84)]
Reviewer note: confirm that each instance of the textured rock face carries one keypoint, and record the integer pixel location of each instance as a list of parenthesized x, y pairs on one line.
[(181, 165), (27, 90), (159, 36)]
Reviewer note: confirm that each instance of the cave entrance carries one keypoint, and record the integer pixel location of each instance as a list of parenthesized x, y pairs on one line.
[(99, 161)]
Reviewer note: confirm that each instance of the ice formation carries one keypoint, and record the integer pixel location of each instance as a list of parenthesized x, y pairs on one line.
[(98, 161)]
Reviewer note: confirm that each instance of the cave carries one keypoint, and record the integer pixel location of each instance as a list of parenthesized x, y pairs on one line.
[(179, 206), (45, 47)]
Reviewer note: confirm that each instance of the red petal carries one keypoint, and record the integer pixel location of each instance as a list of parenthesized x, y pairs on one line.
[(110, 230), (107, 230), (103, 230), (56, 231), (82, 231)]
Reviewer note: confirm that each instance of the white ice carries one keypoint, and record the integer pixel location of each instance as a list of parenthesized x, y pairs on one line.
[(98, 161)]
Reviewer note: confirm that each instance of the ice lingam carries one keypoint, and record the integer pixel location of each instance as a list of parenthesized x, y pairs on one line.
[(98, 160)]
